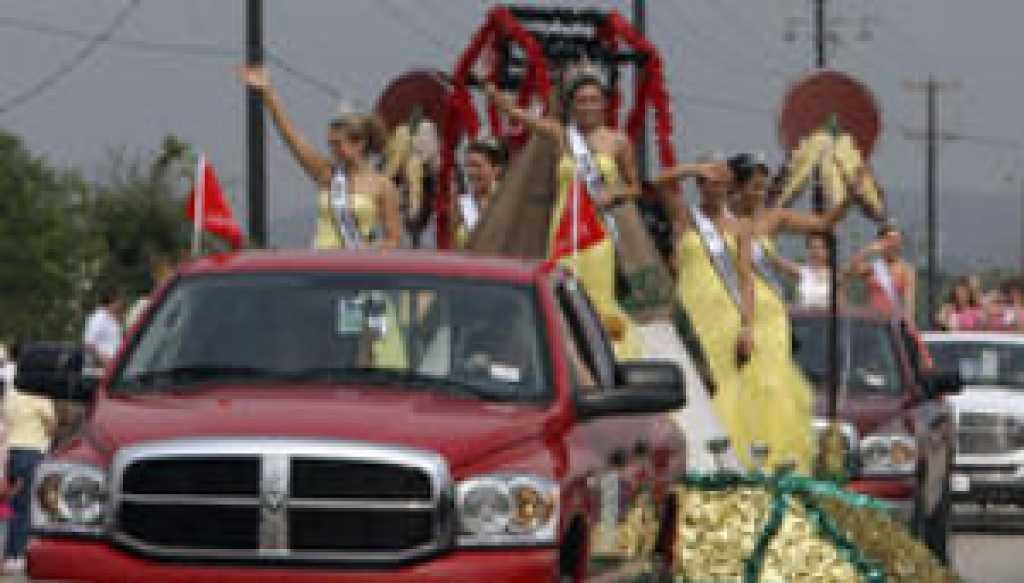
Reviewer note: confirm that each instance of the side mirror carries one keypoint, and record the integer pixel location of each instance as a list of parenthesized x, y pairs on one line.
[(56, 370), (938, 383), (643, 388)]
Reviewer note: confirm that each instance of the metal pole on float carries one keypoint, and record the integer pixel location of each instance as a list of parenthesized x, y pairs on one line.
[(821, 61), (254, 128)]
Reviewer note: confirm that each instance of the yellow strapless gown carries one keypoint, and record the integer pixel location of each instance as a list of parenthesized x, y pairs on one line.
[(389, 351), (779, 396), (364, 209), (595, 266), (764, 400)]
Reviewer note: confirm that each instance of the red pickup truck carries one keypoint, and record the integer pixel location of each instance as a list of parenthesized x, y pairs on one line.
[(898, 431), (301, 416)]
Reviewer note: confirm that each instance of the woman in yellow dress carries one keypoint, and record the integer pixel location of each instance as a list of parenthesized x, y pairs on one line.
[(778, 396), (584, 134), (367, 214), (483, 166), (715, 289), (368, 197)]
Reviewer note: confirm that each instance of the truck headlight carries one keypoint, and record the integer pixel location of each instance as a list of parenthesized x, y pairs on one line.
[(69, 498), (890, 454), (499, 510)]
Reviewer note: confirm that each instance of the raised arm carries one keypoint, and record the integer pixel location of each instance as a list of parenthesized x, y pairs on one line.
[(535, 123), (312, 161), (745, 273), (859, 263), (783, 264), (625, 159), (910, 294), (670, 176), (792, 221)]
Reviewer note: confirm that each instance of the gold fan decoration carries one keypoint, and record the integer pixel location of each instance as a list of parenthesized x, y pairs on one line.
[(834, 153)]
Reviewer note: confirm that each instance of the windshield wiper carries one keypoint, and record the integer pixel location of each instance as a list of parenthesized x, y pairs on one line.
[(192, 374), (388, 376)]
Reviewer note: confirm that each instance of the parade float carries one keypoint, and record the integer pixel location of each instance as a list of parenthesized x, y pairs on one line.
[(767, 525)]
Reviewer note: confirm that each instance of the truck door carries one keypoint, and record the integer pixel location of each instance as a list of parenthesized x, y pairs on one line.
[(623, 516)]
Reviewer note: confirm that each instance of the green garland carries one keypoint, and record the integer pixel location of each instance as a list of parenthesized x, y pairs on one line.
[(785, 487)]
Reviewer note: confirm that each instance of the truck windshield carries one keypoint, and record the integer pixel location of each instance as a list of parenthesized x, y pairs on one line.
[(454, 335), (981, 363), (866, 353)]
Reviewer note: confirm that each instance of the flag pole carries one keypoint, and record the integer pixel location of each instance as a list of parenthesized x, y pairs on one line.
[(198, 207), (575, 191)]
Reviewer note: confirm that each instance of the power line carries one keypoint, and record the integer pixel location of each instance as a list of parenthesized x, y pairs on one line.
[(274, 56), (733, 17), (715, 51), (416, 26), (709, 102), (208, 50), (76, 60)]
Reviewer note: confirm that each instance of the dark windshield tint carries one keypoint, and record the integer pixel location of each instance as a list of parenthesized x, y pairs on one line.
[(477, 336), (981, 363), (866, 353)]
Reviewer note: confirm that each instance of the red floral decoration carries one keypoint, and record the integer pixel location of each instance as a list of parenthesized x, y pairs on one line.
[(462, 120)]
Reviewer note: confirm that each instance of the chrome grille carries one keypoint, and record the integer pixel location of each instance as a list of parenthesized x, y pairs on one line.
[(292, 500), (984, 434)]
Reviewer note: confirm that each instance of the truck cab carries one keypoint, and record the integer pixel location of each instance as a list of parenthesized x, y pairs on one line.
[(376, 416)]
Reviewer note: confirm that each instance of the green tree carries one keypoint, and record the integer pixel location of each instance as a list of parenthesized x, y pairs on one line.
[(44, 251), (137, 213)]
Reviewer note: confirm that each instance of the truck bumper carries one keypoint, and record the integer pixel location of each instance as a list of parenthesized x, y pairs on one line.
[(79, 560), (988, 484)]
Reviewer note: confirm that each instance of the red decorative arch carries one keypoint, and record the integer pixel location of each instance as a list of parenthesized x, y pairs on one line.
[(462, 120), (461, 117)]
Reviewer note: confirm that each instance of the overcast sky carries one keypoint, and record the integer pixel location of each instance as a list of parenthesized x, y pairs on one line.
[(728, 65)]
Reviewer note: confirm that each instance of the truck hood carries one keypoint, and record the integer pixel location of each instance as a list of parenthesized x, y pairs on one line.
[(992, 398), (460, 429), (866, 412)]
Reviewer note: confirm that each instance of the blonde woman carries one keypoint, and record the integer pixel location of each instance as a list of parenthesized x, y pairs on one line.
[(357, 206)]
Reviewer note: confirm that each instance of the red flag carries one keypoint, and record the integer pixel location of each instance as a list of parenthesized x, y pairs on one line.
[(207, 201), (588, 230)]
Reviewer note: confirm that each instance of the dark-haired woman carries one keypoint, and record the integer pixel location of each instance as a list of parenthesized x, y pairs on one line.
[(484, 163), (602, 158), (357, 205), (772, 381), (890, 281)]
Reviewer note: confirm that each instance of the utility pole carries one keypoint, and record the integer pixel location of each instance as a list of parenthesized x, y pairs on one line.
[(640, 24), (254, 116), (931, 136), (823, 32)]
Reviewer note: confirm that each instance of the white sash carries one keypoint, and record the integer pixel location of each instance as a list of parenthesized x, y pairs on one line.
[(469, 211), (764, 269), (587, 169), (884, 277), (341, 211), (717, 251)]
